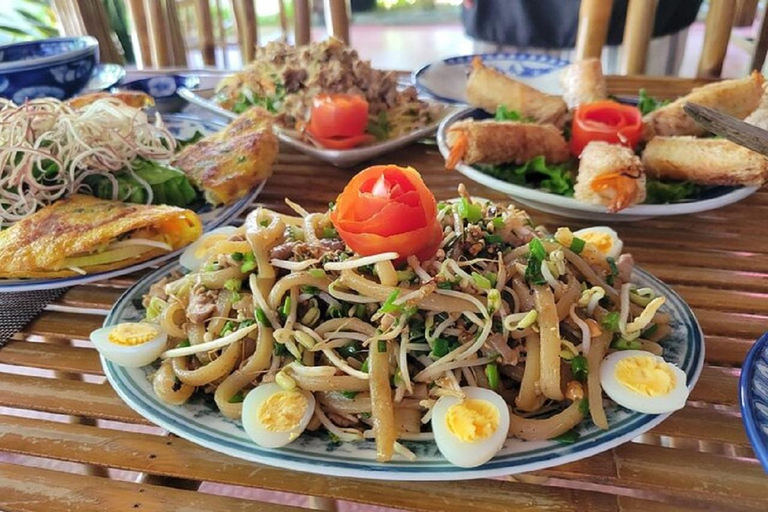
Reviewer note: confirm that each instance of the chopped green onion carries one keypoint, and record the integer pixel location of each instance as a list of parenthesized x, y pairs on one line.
[(612, 264), (280, 349), (537, 249), (237, 398), (492, 373), (156, 306), (498, 222), (183, 344), (329, 232), (285, 310), (364, 368), (249, 263), (310, 290), (247, 323), (382, 346), (348, 394), (445, 285), (335, 312), (494, 300), (610, 321), (238, 256), (234, 285), (579, 368), (405, 275), (316, 272), (528, 320), (481, 281), (229, 326), (441, 347), (441, 206), (471, 212), (625, 344), (650, 331), (261, 317), (494, 239), (584, 407), (389, 305), (577, 245), (350, 349), (569, 437)]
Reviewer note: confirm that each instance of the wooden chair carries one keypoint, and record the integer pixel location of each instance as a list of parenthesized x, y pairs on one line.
[(88, 17), (594, 16)]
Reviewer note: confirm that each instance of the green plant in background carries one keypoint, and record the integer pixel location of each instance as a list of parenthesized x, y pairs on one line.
[(120, 23), (28, 19)]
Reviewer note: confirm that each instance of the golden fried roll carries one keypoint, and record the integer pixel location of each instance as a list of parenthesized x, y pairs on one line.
[(488, 89), (704, 161), (135, 99), (737, 98), (229, 163), (499, 142), (583, 82), (610, 175), (87, 234)]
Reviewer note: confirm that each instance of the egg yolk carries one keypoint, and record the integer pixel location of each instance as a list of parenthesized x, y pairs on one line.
[(645, 375), (602, 241), (283, 411), (131, 335), (472, 420)]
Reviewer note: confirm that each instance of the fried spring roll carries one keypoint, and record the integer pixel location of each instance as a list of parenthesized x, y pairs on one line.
[(610, 175), (488, 89), (704, 161), (737, 98), (499, 142), (583, 82)]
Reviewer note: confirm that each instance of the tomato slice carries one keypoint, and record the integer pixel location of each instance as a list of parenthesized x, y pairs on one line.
[(606, 121), (338, 116), (345, 142)]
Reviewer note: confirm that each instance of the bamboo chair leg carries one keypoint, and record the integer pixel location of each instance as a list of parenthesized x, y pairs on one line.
[(761, 48), (716, 37), (337, 19), (637, 36), (205, 32), (158, 33), (245, 12), (301, 22), (222, 33), (283, 20), (178, 48), (140, 34), (594, 16)]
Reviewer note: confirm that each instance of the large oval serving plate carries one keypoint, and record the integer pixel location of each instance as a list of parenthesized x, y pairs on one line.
[(182, 127), (568, 206), (339, 158), (446, 80), (200, 422), (753, 398)]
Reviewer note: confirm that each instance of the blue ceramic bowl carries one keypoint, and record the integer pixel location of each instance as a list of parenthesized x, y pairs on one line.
[(58, 67), (753, 398), (163, 89)]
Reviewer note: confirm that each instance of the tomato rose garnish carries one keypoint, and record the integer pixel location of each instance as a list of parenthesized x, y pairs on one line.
[(338, 121), (607, 121), (387, 208)]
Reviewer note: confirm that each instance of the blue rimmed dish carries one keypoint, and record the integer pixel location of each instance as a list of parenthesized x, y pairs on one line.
[(56, 67), (182, 127), (164, 90), (200, 422), (446, 80), (753, 398)]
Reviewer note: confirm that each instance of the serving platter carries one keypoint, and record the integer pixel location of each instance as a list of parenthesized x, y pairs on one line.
[(753, 398), (182, 127), (339, 158), (570, 207), (200, 422), (446, 80)]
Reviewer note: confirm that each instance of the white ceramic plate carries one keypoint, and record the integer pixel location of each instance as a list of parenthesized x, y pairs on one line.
[(339, 158), (200, 422), (446, 80), (568, 206), (182, 127)]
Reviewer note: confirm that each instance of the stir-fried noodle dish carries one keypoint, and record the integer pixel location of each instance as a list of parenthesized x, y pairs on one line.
[(364, 347)]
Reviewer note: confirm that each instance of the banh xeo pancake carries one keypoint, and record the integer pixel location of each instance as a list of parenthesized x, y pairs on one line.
[(228, 164), (87, 234)]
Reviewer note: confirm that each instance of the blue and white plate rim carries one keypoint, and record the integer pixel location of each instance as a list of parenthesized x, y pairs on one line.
[(225, 215), (463, 60), (748, 394), (169, 417)]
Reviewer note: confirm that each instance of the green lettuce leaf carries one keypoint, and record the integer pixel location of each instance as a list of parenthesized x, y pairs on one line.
[(536, 173), (647, 104), (658, 192)]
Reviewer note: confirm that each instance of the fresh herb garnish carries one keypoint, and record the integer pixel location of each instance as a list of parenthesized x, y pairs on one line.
[(647, 104), (536, 173), (380, 127)]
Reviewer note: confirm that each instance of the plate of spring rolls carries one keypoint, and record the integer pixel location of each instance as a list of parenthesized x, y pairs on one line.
[(585, 155)]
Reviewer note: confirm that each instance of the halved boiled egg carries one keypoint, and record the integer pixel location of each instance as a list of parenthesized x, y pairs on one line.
[(471, 431), (273, 417), (130, 344), (643, 382), (604, 238), (195, 255)]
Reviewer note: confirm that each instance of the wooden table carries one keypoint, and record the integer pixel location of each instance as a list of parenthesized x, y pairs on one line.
[(698, 459)]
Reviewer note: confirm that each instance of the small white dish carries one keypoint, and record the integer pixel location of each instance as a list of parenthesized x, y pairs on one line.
[(339, 158), (568, 206), (446, 80)]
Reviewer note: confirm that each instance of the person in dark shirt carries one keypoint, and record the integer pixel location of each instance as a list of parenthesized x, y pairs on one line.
[(550, 26)]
